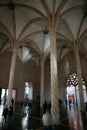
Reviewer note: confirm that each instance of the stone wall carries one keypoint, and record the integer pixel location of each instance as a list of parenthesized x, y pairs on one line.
[(30, 72)]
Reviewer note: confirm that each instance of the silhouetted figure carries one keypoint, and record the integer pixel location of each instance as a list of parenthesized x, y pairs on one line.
[(45, 106), (11, 112), (30, 107), (49, 106), (12, 101), (70, 101), (60, 103), (5, 115), (66, 102), (86, 106), (38, 107)]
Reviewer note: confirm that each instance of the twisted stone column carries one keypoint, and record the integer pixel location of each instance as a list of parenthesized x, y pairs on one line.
[(54, 77), (79, 74), (67, 72), (42, 83), (11, 77)]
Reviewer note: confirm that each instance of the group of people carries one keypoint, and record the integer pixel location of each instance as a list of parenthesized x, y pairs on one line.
[(8, 113)]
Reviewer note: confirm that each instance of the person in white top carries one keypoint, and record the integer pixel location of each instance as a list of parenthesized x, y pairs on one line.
[(47, 121)]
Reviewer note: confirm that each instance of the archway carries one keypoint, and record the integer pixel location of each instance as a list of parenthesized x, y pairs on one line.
[(72, 89), (28, 95)]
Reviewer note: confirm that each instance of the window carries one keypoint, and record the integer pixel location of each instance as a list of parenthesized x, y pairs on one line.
[(72, 87), (28, 91)]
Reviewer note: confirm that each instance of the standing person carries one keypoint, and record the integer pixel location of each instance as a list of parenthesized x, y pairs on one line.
[(86, 107), (45, 106), (12, 101), (47, 120), (38, 107), (49, 106), (11, 112), (5, 115)]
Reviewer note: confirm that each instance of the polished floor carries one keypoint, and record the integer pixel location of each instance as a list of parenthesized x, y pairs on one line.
[(70, 119)]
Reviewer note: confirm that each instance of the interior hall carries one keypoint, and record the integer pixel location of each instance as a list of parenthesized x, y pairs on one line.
[(43, 61)]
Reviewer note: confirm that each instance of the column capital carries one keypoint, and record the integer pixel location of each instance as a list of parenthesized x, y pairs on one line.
[(76, 45), (14, 49)]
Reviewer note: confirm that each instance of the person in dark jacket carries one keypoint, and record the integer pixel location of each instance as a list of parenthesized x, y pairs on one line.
[(5, 114), (11, 112), (86, 107), (45, 106)]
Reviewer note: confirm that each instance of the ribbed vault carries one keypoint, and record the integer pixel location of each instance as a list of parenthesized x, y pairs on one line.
[(25, 22)]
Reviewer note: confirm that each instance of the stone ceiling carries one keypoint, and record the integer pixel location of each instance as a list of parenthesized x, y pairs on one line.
[(27, 23)]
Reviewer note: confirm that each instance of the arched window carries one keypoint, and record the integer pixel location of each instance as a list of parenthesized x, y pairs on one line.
[(72, 87), (28, 91)]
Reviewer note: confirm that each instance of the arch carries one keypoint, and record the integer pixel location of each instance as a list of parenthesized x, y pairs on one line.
[(72, 89), (28, 94)]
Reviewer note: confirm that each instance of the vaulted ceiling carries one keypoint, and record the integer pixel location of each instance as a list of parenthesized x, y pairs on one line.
[(27, 23)]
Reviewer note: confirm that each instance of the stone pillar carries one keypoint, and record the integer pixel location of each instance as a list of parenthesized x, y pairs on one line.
[(42, 83), (79, 74), (76, 96), (54, 77), (67, 72), (11, 77)]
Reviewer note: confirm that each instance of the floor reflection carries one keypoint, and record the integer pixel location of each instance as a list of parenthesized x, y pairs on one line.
[(1, 111), (71, 119), (74, 117), (25, 122)]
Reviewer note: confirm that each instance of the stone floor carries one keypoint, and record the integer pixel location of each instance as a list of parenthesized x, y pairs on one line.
[(70, 119)]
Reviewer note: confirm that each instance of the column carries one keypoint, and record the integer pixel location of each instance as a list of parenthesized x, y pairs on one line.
[(11, 77), (67, 72), (79, 74), (54, 77), (42, 83), (76, 96)]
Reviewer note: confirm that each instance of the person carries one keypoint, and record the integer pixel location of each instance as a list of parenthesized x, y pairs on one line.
[(38, 107), (45, 106), (86, 106), (47, 120), (12, 101), (5, 115), (49, 106), (11, 112)]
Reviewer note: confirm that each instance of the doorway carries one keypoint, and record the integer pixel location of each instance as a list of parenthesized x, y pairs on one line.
[(4, 94), (72, 89)]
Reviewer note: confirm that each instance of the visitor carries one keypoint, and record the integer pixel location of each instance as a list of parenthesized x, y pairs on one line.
[(5, 115), (47, 120)]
